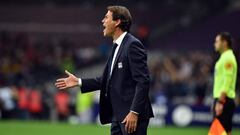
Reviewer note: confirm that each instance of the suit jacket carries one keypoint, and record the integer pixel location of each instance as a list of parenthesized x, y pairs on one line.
[(128, 86)]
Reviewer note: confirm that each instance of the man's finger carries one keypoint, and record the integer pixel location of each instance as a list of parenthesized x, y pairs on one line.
[(61, 80), (68, 73), (135, 126), (61, 88), (218, 111), (61, 85), (124, 120), (130, 127), (126, 125)]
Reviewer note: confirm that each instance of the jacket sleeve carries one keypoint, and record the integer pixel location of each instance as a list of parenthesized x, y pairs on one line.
[(137, 57), (89, 85)]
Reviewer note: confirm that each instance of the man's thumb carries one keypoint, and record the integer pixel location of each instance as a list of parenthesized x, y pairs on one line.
[(68, 73), (124, 120)]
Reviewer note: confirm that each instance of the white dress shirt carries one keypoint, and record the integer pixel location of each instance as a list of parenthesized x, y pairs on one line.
[(118, 41)]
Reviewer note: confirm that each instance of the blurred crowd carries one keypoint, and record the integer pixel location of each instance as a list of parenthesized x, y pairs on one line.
[(30, 61), (181, 74), (29, 67)]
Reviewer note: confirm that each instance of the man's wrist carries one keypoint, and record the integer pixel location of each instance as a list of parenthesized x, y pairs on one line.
[(134, 112), (221, 101), (222, 98)]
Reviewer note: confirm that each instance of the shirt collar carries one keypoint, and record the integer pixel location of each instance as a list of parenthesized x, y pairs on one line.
[(226, 52), (120, 38)]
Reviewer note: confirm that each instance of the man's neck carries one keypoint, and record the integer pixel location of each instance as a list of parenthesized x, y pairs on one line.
[(117, 34), (224, 50)]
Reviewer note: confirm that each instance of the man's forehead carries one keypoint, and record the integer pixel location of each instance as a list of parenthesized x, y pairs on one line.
[(109, 13)]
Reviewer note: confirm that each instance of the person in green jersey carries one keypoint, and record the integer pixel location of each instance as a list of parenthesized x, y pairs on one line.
[(225, 76)]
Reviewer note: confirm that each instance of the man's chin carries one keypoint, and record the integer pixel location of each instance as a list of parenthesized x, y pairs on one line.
[(106, 34)]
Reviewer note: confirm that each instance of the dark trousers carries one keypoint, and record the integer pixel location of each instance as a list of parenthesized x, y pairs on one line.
[(117, 128), (226, 117)]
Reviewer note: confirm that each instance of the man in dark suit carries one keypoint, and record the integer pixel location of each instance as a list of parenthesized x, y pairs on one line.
[(124, 84)]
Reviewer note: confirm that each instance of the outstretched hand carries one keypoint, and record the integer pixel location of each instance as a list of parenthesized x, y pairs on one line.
[(68, 82)]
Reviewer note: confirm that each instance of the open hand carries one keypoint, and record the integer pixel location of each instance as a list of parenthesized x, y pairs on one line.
[(68, 82)]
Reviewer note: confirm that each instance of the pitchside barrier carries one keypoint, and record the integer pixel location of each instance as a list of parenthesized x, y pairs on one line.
[(187, 115)]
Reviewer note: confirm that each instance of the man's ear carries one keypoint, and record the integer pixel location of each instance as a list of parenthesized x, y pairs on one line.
[(225, 43), (118, 21)]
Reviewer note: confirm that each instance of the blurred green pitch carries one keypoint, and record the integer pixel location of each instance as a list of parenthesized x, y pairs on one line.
[(47, 128)]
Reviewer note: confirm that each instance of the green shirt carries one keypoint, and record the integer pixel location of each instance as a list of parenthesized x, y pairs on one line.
[(225, 75)]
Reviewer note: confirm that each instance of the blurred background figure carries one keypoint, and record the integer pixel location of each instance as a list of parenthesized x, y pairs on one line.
[(225, 77), (84, 107), (62, 105), (7, 104)]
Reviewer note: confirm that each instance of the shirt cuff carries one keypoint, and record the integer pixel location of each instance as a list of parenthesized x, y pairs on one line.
[(80, 82), (134, 112)]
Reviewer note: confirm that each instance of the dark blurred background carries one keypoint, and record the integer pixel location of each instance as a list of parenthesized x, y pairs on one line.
[(39, 39)]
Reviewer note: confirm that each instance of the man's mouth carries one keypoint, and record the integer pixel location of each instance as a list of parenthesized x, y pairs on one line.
[(104, 27)]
